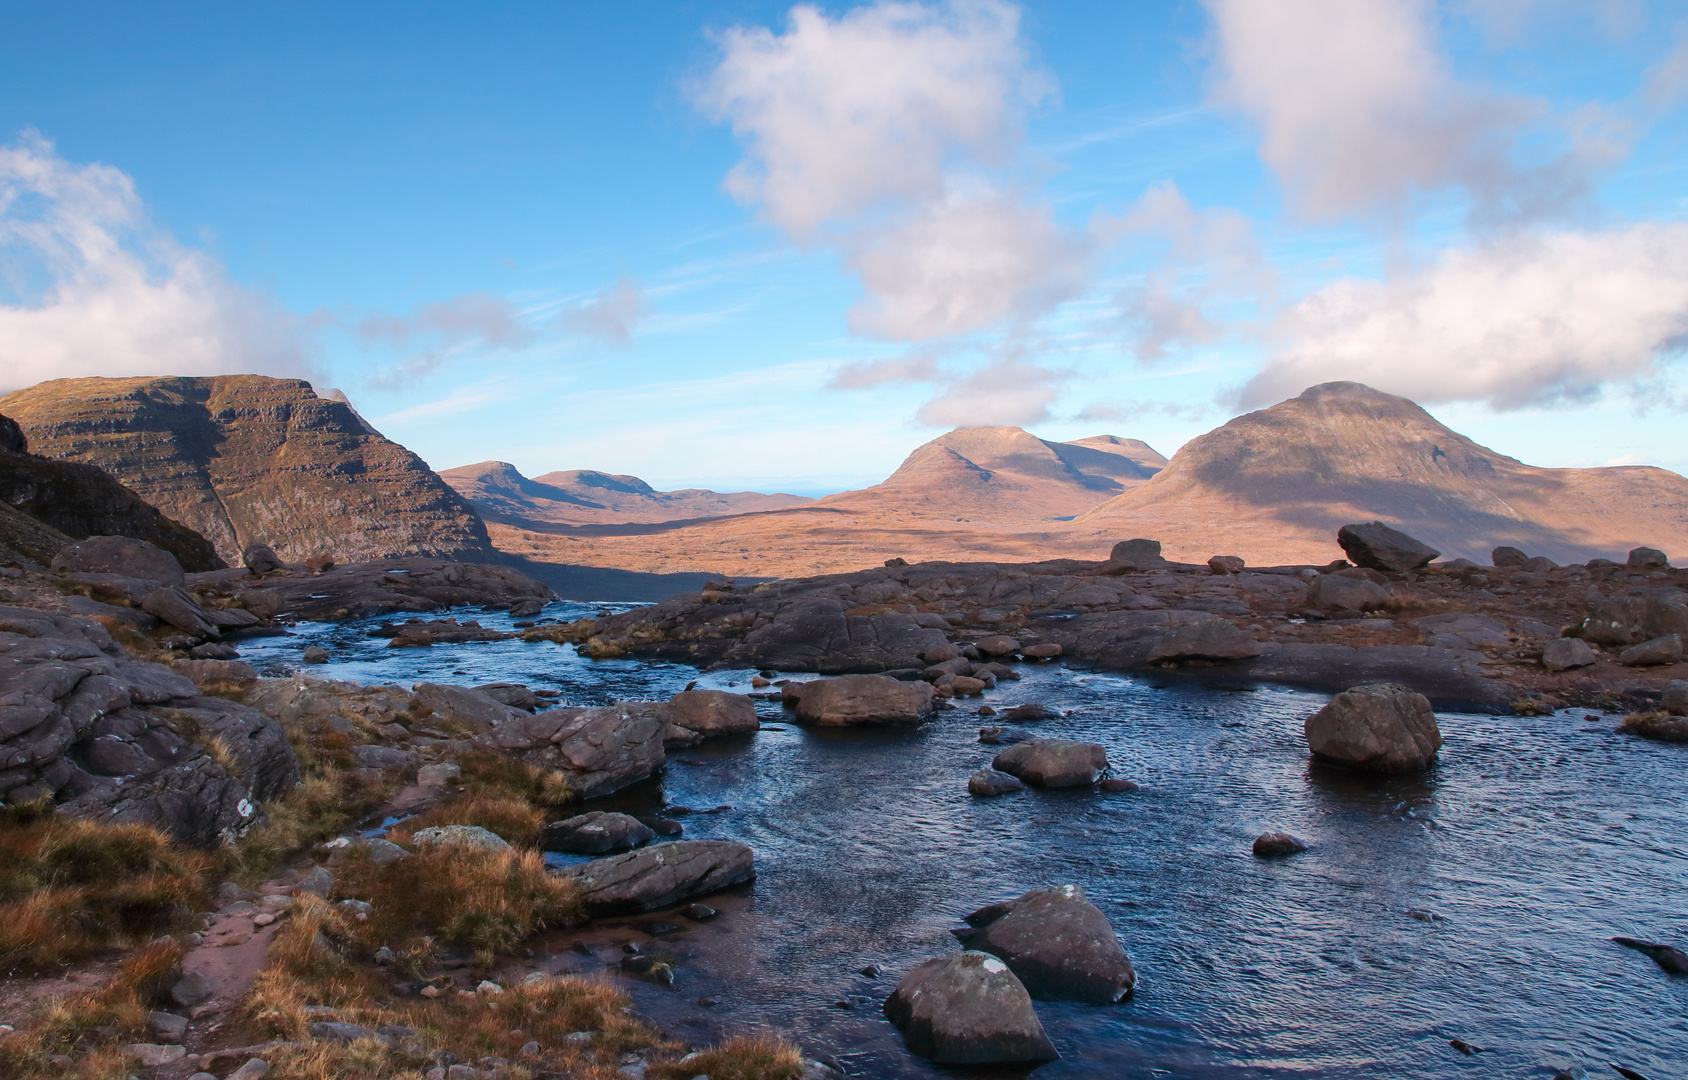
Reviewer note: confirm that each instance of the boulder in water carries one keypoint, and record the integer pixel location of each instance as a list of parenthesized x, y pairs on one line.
[(988, 782), (1380, 727), (1376, 545), (596, 833), (863, 700), (695, 715), (968, 1009), (1058, 943), (1054, 763), (660, 876), (1274, 845)]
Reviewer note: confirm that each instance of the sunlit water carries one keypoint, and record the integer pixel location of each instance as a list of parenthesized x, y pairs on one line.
[(1533, 842)]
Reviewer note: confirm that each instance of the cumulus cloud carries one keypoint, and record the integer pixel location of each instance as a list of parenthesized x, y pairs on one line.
[(1010, 391), (917, 366), (891, 133), (89, 285), (1526, 319), (612, 314), (1359, 112)]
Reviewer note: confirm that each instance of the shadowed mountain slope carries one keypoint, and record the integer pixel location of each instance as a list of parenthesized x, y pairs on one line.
[(240, 458), (587, 497), (1275, 485)]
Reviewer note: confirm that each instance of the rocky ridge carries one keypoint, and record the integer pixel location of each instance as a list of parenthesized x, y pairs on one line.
[(244, 458), (587, 497)]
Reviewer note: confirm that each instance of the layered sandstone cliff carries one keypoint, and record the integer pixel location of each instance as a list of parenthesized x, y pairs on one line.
[(243, 458)]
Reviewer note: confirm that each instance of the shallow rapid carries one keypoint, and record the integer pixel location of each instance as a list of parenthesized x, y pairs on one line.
[(1473, 903)]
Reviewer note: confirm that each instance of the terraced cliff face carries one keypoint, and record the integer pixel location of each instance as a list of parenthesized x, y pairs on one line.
[(240, 458)]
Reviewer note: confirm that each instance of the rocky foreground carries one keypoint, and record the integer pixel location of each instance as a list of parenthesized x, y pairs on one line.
[(1526, 633)]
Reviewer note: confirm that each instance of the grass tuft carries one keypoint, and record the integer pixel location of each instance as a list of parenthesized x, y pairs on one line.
[(745, 1057)]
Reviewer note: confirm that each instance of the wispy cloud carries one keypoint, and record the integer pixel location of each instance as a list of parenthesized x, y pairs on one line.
[(612, 315)]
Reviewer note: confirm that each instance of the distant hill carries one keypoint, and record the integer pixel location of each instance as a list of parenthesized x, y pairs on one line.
[(1006, 474), (239, 458), (1275, 485), (586, 497)]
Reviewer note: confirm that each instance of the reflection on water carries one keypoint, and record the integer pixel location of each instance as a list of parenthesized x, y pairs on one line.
[(1533, 842)]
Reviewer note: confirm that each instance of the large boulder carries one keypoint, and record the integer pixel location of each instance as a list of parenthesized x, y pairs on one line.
[(1627, 620), (1334, 592), (176, 606), (1646, 558), (1382, 727), (596, 833), (660, 876), (968, 1009), (1562, 654), (1209, 639), (1380, 547), (1660, 650), (863, 700), (1508, 558), (473, 709), (1053, 763), (259, 558), (120, 555), (600, 749), (1057, 942), (695, 715)]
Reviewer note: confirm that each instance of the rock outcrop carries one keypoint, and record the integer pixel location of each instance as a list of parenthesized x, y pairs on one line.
[(244, 458), (115, 738), (660, 876), (1378, 728), (599, 749), (1057, 942), (81, 500), (587, 497), (374, 588), (968, 1009)]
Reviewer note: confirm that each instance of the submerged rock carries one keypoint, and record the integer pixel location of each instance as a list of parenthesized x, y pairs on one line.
[(1058, 943), (1668, 957), (1381, 727), (1273, 845), (968, 1009), (1054, 763), (988, 782), (660, 876)]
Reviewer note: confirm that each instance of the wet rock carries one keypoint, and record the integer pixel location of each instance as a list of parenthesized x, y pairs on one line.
[(1028, 712), (699, 912), (596, 833), (1646, 558), (260, 559), (1659, 650), (1057, 942), (1225, 564), (968, 1009), (600, 749), (965, 686), (660, 876), (1114, 785), (1381, 727), (315, 654), (1508, 557), (1652, 725), (695, 715), (988, 782), (863, 700), (1208, 639), (1274, 845), (469, 836), (1004, 736), (997, 645), (1334, 592), (1380, 547), (662, 826), (1668, 957), (1054, 763), (1674, 700), (1563, 654)]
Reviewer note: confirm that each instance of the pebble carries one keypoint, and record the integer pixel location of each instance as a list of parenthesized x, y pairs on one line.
[(430, 991), (487, 986), (263, 918), (872, 971), (699, 912)]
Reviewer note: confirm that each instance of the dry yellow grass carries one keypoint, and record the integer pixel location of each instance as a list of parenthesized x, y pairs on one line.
[(746, 1057), (70, 888), (513, 819)]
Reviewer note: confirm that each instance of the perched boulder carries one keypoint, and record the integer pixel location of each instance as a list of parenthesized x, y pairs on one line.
[(469, 836), (968, 1009), (1381, 727), (863, 700), (1508, 557), (1380, 547), (596, 833), (988, 782), (1054, 763), (1127, 550), (471, 708), (1226, 564), (600, 749), (122, 556), (1646, 558), (1274, 845), (1058, 943), (695, 715), (1562, 654), (1660, 650), (660, 876), (1209, 639), (1334, 592), (260, 558)]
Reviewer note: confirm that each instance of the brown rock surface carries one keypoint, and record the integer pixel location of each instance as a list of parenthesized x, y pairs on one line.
[(243, 458), (1381, 728)]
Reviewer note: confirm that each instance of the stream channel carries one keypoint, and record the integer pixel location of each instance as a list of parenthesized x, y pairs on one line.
[(1473, 903)]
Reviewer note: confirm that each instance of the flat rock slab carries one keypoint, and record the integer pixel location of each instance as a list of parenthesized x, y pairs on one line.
[(1059, 944), (968, 1009), (863, 700), (660, 876)]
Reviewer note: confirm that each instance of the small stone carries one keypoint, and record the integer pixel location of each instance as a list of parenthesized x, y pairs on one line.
[(699, 912), (168, 1026), (384, 957), (337, 1031), (578, 1038), (1047, 651), (318, 882), (530, 1049), (1562, 654), (1115, 786), (488, 987), (872, 971), (1273, 845), (316, 654), (990, 782), (461, 1072), (263, 918), (706, 1002), (192, 989), (430, 991)]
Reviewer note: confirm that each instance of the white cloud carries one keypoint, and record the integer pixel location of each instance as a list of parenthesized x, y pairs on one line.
[(1359, 113), (840, 114), (918, 366), (471, 316), (90, 286), (891, 133), (612, 314), (1008, 391), (1667, 82), (1528, 318)]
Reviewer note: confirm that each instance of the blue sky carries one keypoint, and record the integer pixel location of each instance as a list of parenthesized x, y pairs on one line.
[(745, 245)]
